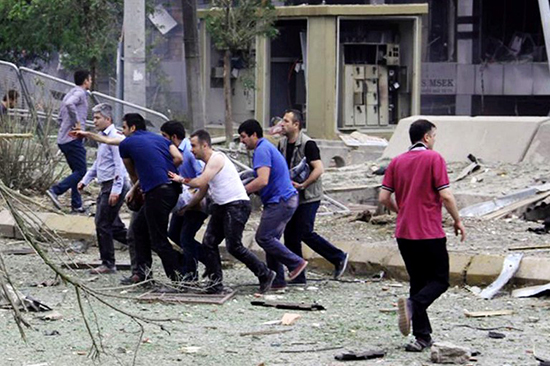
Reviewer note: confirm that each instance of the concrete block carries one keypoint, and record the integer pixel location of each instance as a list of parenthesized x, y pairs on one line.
[(7, 224), (72, 226), (533, 271), (485, 137), (395, 267), (539, 149), (484, 269), (369, 259), (38, 220), (458, 266)]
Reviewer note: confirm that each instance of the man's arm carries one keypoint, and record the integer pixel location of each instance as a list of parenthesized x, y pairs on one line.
[(317, 170), (213, 167), (71, 104), (259, 182), (90, 175), (130, 168), (197, 197), (450, 204), (96, 137), (385, 198), (176, 155), (120, 173)]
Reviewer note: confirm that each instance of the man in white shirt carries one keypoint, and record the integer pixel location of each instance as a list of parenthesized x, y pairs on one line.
[(230, 212)]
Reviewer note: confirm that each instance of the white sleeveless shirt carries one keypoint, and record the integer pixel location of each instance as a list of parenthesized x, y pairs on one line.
[(226, 186)]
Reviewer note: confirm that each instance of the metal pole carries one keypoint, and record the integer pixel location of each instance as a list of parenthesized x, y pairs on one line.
[(119, 80), (544, 6)]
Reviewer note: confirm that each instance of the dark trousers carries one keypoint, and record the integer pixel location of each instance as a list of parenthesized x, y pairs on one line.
[(75, 153), (182, 231), (272, 224), (150, 228), (300, 229), (427, 263), (227, 222), (108, 225)]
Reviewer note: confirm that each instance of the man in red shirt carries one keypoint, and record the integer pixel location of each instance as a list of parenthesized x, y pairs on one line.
[(421, 186)]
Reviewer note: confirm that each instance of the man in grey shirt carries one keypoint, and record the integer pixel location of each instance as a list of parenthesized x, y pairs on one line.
[(111, 174), (72, 115)]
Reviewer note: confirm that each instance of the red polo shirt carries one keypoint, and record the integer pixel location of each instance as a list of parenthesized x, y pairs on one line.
[(416, 177)]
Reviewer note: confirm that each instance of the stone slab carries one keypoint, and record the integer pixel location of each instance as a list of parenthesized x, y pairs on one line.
[(458, 267), (539, 150), (7, 224), (486, 137), (72, 226), (484, 269)]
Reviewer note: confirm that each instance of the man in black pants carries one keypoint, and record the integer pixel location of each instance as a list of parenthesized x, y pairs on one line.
[(230, 211), (421, 185), (295, 147), (148, 157), (109, 170)]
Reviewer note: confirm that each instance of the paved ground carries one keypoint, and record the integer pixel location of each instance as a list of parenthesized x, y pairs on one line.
[(353, 321)]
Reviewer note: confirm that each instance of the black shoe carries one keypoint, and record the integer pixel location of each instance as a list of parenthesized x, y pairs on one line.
[(132, 280), (265, 285), (340, 268), (214, 290), (418, 345)]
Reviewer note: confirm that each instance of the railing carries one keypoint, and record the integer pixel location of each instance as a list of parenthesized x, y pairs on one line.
[(41, 95)]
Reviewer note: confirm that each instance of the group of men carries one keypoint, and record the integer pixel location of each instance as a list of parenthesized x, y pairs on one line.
[(159, 166)]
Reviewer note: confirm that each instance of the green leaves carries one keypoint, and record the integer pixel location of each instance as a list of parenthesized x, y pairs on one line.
[(235, 24)]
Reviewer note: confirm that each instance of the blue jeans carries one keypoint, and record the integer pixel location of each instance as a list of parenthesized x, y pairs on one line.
[(300, 229), (75, 153), (272, 224), (182, 231)]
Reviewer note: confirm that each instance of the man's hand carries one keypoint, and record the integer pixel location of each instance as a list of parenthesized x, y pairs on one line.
[(459, 228), (80, 186), (79, 134), (298, 186), (177, 178), (113, 199), (129, 196)]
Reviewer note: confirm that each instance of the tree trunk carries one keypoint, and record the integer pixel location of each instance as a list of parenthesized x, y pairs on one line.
[(195, 96), (227, 97)]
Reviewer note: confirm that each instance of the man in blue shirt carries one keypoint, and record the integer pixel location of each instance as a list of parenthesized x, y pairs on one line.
[(72, 115), (184, 224), (109, 170), (279, 198), (148, 157)]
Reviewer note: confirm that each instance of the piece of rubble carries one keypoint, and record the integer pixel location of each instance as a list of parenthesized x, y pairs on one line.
[(509, 269), (496, 335), (487, 313), (531, 291), (364, 355), (52, 316), (445, 352), (290, 318)]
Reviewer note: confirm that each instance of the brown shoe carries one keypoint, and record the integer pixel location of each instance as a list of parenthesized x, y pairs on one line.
[(103, 269), (404, 314), (296, 271)]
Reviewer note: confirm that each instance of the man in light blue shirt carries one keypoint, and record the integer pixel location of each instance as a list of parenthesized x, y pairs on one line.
[(72, 115), (110, 172), (184, 225)]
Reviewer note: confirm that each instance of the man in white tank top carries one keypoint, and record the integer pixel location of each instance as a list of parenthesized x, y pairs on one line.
[(230, 213)]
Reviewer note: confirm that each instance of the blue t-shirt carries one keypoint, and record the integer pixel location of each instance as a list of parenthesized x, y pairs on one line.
[(279, 185), (191, 167), (152, 159)]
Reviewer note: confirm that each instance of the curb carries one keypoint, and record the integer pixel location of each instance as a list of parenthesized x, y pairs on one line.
[(365, 258)]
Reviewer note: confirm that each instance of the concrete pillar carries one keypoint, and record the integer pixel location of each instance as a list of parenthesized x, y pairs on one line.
[(263, 71), (464, 50), (321, 78), (134, 52)]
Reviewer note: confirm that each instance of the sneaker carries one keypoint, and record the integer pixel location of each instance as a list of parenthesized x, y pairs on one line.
[(103, 270), (418, 345), (214, 289), (132, 280), (278, 287), (404, 313), (296, 271), (265, 285), (340, 268), (78, 210), (54, 198)]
